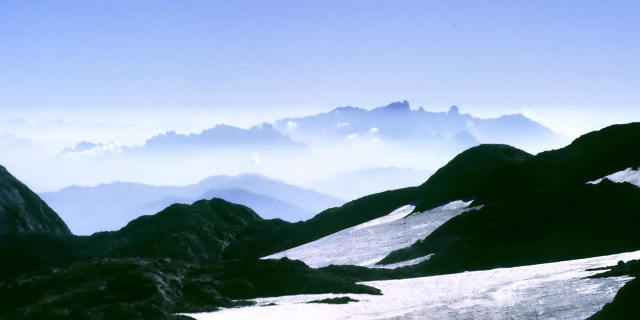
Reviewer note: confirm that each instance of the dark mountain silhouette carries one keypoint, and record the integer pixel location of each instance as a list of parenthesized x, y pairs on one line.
[(21, 210), (267, 207), (625, 304), (534, 209), (110, 206), (154, 267), (492, 175), (457, 180), (542, 206), (158, 288), (196, 233)]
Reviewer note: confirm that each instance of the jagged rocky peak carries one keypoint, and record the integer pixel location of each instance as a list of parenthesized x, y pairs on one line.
[(453, 111), (398, 106), (21, 210)]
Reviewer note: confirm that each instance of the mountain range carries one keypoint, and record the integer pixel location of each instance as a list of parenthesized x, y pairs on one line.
[(394, 122), (110, 206), (398, 122), (312, 151), (518, 209), (263, 135)]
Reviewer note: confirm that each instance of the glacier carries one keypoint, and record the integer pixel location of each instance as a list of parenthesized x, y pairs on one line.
[(369, 242), (557, 290)]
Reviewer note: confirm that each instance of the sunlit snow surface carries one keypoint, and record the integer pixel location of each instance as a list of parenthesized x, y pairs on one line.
[(369, 242), (629, 175), (546, 291)]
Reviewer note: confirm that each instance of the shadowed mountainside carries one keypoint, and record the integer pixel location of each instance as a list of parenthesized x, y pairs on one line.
[(535, 209), (625, 304), (21, 210), (154, 267), (540, 209)]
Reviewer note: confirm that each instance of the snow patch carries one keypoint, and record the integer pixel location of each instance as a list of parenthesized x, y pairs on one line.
[(393, 216), (545, 291), (629, 175), (369, 242)]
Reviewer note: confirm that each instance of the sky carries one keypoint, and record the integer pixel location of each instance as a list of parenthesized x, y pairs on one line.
[(571, 65)]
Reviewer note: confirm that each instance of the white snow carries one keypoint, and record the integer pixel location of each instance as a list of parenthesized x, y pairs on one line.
[(393, 216), (629, 175), (369, 242), (546, 291)]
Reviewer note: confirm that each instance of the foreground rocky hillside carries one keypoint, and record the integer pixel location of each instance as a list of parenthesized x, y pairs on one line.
[(496, 176), (21, 210), (154, 267), (517, 209)]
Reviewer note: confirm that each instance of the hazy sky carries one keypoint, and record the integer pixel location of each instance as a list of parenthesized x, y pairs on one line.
[(573, 65)]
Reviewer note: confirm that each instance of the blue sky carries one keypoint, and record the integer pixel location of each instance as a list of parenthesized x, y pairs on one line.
[(570, 64)]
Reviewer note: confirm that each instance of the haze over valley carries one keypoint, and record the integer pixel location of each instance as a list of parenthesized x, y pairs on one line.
[(283, 159)]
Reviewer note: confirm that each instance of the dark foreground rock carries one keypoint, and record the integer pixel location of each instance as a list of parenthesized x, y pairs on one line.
[(157, 288), (338, 300), (625, 304), (21, 210)]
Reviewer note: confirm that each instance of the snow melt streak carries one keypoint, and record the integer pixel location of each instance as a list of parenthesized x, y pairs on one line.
[(546, 291), (369, 242)]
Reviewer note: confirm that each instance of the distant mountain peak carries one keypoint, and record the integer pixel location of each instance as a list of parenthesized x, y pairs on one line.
[(453, 111), (346, 109), (83, 146), (223, 135), (398, 106)]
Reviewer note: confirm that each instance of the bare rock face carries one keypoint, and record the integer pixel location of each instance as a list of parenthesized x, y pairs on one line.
[(21, 210)]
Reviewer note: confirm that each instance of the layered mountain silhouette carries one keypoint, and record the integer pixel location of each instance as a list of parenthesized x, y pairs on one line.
[(154, 267), (502, 177), (111, 206), (222, 136), (188, 258), (219, 137), (337, 146), (398, 122), (21, 210)]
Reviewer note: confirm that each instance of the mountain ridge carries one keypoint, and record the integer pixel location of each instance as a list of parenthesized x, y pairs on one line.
[(112, 205), (21, 210)]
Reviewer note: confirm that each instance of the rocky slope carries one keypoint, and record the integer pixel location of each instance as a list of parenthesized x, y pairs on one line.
[(21, 210), (625, 303), (191, 258), (541, 205), (157, 288), (154, 267)]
